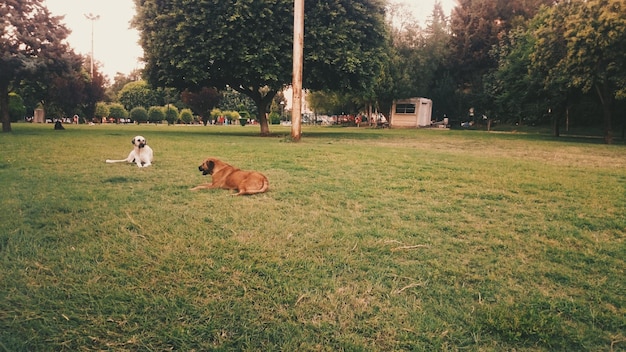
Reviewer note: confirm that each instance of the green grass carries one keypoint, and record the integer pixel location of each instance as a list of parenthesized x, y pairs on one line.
[(368, 240)]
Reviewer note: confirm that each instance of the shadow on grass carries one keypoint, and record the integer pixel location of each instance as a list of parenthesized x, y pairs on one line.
[(117, 179)]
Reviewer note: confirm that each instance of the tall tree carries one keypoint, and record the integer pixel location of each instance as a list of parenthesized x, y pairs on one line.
[(595, 56), (476, 27), (75, 92), (247, 45), (32, 46), (580, 46)]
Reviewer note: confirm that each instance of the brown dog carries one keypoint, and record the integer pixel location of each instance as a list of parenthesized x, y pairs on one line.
[(226, 176)]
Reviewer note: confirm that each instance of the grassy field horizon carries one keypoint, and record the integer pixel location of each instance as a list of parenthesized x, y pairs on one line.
[(368, 240)]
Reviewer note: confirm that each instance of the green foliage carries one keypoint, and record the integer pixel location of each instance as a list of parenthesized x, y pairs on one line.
[(171, 114), (202, 102), (518, 93), (17, 110), (330, 103), (476, 27), (230, 115), (243, 114), (186, 116), (117, 111), (417, 55), (574, 53), (102, 110), (139, 114), (156, 114), (274, 118), (215, 114), (229, 43), (233, 100), (34, 50), (138, 93)]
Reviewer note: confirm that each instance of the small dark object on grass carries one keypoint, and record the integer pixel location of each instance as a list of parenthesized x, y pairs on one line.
[(58, 126)]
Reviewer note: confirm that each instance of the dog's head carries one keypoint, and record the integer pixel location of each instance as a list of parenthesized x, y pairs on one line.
[(209, 166), (139, 141)]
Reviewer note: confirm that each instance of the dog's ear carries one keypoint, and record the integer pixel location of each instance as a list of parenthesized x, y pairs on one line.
[(133, 141), (210, 165)]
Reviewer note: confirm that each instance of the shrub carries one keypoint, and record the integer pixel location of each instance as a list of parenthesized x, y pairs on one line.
[(215, 114), (102, 110), (156, 114), (171, 114), (139, 114), (117, 111), (231, 115), (186, 116), (244, 115), (274, 118), (17, 110)]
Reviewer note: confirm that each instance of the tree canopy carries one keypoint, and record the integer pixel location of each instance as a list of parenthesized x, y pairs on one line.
[(247, 45), (570, 50), (32, 48)]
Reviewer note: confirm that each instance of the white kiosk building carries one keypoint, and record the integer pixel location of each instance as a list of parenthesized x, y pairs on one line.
[(411, 113)]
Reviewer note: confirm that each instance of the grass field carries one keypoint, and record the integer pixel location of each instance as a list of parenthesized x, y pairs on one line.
[(368, 240)]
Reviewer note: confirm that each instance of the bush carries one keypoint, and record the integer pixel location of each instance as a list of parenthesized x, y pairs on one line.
[(117, 111), (274, 118), (139, 114), (102, 110), (215, 114), (171, 114), (231, 115), (156, 114), (244, 115), (17, 110), (186, 116)]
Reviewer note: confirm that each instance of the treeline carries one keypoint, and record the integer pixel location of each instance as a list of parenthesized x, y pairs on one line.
[(525, 62)]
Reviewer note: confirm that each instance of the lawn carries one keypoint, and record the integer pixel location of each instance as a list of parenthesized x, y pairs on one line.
[(368, 240)]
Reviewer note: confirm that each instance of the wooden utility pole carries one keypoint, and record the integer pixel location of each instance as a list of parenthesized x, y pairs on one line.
[(298, 53)]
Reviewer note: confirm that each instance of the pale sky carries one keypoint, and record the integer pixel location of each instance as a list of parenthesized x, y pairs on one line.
[(116, 45)]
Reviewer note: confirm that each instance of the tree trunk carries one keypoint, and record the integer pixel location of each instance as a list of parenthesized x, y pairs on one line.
[(262, 102), (4, 108), (606, 99), (556, 131), (608, 129), (263, 121)]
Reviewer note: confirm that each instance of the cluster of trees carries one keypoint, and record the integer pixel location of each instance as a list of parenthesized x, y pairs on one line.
[(37, 65), (569, 57), (532, 61)]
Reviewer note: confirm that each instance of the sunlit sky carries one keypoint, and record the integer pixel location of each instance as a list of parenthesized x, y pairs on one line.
[(115, 44)]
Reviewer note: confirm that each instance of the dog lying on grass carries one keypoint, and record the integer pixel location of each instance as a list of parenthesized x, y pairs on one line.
[(141, 154), (226, 176)]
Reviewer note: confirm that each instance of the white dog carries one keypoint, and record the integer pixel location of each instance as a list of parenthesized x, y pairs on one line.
[(140, 155)]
